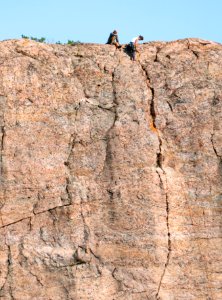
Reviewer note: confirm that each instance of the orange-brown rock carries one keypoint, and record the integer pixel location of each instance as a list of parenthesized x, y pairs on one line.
[(111, 171)]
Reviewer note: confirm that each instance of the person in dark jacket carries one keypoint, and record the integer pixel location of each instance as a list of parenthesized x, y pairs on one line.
[(113, 39)]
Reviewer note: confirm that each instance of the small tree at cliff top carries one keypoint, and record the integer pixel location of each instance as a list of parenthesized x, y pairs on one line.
[(40, 40)]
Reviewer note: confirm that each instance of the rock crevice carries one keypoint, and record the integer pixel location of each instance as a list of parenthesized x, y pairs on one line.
[(161, 172)]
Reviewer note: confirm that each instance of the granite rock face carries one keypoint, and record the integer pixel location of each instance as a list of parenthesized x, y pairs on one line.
[(111, 171)]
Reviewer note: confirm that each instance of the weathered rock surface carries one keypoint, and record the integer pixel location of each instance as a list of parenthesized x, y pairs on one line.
[(111, 171)]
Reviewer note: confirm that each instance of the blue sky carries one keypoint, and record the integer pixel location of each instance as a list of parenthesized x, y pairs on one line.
[(92, 21)]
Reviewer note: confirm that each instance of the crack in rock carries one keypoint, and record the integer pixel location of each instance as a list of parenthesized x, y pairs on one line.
[(8, 279), (35, 214), (162, 175), (107, 137), (214, 148), (3, 134), (2, 146)]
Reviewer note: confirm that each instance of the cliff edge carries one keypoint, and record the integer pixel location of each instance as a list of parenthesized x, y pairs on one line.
[(111, 171)]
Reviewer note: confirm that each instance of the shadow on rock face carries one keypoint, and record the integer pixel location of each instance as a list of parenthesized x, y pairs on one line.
[(128, 50)]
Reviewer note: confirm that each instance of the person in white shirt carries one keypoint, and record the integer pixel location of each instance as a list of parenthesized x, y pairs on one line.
[(133, 45)]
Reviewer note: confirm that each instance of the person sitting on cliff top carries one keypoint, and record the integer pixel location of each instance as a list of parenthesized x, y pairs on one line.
[(113, 39), (133, 46)]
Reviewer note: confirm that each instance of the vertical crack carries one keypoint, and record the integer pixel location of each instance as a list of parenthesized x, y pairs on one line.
[(3, 134), (152, 102), (8, 278), (116, 103), (2, 145), (3, 191), (67, 164), (115, 94), (152, 107), (169, 243), (108, 170), (164, 186), (214, 148), (86, 230), (161, 173), (10, 270)]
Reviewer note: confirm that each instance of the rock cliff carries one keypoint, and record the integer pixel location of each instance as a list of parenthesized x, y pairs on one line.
[(111, 171)]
